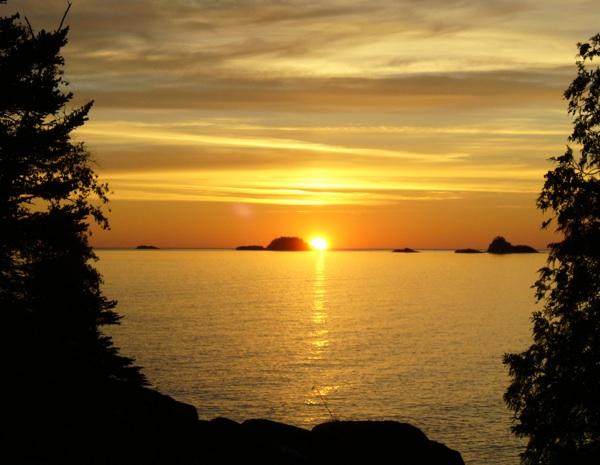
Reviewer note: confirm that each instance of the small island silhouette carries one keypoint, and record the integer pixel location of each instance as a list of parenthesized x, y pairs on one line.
[(501, 246), (280, 244), (405, 250), (293, 244), (467, 251), (146, 247), (250, 247)]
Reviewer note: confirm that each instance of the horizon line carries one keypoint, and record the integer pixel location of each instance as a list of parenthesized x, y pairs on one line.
[(343, 249)]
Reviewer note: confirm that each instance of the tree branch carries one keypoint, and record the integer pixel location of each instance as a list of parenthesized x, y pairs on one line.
[(29, 26), (62, 21)]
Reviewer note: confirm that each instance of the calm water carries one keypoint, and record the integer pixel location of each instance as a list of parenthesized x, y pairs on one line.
[(304, 337)]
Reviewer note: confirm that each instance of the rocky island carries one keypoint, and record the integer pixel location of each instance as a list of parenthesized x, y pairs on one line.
[(250, 247), (280, 244), (146, 247), (501, 246), (405, 250), (290, 244), (467, 251)]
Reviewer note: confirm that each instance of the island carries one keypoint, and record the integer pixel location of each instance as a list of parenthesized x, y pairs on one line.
[(288, 244), (467, 251), (501, 246), (280, 244), (146, 247), (405, 250)]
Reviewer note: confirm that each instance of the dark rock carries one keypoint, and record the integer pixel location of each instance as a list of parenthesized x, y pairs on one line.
[(292, 244), (279, 443), (405, 250), (250, 247), (146, 247), (271, 443), (379, 442), (467, 251), (501, 246), (113, 423), (107, 423), (221, 440), (226, 426)]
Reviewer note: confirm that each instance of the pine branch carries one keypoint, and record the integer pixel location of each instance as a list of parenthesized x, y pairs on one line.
[(62, 21)]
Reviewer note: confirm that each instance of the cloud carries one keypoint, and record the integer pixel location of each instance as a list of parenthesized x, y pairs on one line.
[(450, 92), (145, 134), (449, 95), (181, 40)]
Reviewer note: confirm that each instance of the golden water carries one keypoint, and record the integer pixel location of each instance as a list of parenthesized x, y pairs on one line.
[(304, 337)]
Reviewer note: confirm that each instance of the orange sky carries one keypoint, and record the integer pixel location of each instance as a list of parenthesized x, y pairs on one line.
[(386, 123)]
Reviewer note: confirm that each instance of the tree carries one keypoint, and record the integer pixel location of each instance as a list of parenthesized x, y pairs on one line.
[(51, 300), (555, 387)]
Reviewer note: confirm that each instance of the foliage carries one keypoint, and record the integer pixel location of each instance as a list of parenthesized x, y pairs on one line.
[(50, 294), (555, 385)]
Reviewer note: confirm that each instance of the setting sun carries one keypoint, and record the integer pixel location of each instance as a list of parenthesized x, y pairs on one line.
[(319, 243)]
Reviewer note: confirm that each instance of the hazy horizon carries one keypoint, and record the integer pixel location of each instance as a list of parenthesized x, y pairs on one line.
[(329, 249)]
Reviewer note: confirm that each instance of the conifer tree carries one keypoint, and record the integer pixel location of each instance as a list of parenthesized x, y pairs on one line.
[(555, 387), (51, 302)]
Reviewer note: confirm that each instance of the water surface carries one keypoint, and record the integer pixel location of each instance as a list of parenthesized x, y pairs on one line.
[(306, 337)]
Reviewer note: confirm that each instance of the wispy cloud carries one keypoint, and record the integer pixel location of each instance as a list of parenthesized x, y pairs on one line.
[(121, 131)]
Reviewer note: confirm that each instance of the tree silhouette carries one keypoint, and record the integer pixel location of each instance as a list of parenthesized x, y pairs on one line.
[(51, 302), (555, 385)]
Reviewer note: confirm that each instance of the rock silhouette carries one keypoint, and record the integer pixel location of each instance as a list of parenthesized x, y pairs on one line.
[(405, 250), (114, 423), (146, 247), (501, 246), (467, 251), (293, 244), (250, 247)]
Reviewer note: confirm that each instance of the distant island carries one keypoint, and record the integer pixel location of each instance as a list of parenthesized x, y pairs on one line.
[(146, 247), (280, 244), (290, 244), (467, 251), (501, 246), (250, 247)]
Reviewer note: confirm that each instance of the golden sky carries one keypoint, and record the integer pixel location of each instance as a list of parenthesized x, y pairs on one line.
[(375, 123)]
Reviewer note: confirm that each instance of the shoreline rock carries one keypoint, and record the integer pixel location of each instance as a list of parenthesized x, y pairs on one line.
[(118, 424)]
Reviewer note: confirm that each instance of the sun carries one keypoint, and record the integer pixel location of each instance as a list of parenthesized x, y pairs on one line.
[(319, 243)]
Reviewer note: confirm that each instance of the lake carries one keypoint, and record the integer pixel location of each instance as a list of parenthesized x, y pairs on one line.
[(309, 336)]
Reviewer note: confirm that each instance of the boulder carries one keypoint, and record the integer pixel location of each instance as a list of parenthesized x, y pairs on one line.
[(113, 423), (379, 442)]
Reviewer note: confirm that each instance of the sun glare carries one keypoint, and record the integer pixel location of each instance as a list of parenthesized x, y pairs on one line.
[(319, 243)]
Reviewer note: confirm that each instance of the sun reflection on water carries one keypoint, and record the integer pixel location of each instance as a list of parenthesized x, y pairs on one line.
[(319, 316), (319, 343)]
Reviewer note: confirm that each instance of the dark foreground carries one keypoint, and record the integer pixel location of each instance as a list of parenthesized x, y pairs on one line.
[(114, 424)]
